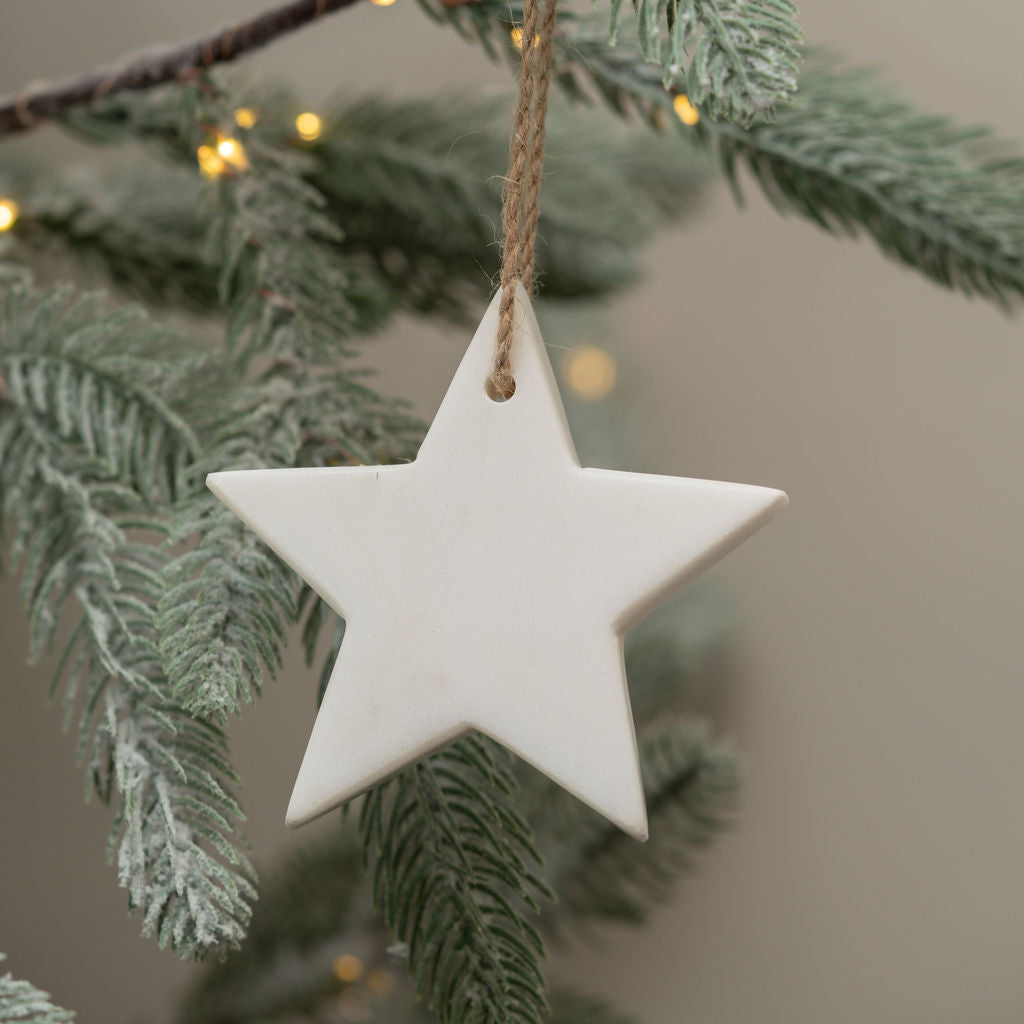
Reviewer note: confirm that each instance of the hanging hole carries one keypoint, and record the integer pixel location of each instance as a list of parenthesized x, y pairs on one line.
[(494, 394)]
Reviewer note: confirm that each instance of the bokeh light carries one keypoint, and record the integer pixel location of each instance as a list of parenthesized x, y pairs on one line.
[(589, 371)]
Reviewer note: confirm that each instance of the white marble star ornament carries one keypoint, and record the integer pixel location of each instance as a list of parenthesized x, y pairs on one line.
[(488, 585)]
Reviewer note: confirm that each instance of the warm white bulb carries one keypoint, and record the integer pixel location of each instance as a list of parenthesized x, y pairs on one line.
[(517, 38), (348, 968), (589, 371), (210, 162), (309, 126), (685, 110), (8, 214), (229, 152)]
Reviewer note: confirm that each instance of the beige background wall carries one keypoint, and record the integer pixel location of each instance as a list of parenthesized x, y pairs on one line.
[(878, 871)]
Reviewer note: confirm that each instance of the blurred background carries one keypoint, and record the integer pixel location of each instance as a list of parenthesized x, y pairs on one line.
[(875, 694)]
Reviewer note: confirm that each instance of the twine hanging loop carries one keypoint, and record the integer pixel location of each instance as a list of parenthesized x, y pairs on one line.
[(521, 208)]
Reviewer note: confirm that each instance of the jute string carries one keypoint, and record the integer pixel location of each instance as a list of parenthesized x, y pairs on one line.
[(521, 209)]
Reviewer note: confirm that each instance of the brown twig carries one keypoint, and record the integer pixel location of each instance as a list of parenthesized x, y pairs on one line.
[(38, 102)]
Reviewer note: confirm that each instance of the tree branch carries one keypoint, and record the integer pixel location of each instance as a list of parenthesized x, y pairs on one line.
[(39, 101)]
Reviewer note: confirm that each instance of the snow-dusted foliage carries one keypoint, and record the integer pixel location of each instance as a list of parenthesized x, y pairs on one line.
[(91, 456), (23, 1003)]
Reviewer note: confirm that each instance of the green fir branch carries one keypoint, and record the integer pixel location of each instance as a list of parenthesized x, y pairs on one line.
[(174, 828), (91, 453), (453, 870), (292, 299), (140, 225), (944, 199), (228, 599), (415, 184), (319, 615), (224, 610), (85, 427), (291, 295), (846, 154), (667, 653), (22, 1003), (737, 59), (312, 908), (597, 871), (312, 911), (450, 861)]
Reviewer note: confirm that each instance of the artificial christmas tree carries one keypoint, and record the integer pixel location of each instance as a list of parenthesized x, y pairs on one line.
[(111, 424)]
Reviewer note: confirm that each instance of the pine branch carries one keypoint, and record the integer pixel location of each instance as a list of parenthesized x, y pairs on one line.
[(310, 914), (318, 616), (745, 53), (416, 184), (943, 199), (291, 298), (23, 1003), (665, 655), (301, 925), (223, 612), (228, 598), (84, 422), (290, 294), (597, 871), (139, 224), (449, 858), (90, 450), (174, 827), (38, 102), (309, 911)]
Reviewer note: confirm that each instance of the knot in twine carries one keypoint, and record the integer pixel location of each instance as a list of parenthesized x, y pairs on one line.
[(521, 209)]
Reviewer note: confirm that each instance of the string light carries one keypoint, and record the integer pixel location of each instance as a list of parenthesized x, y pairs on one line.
[(210, 162), (232, 153), (516, 35), (224, 158), (8, 214), (245, 117), (589, 371), (309, 126), (347, 968), (685, 110)]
